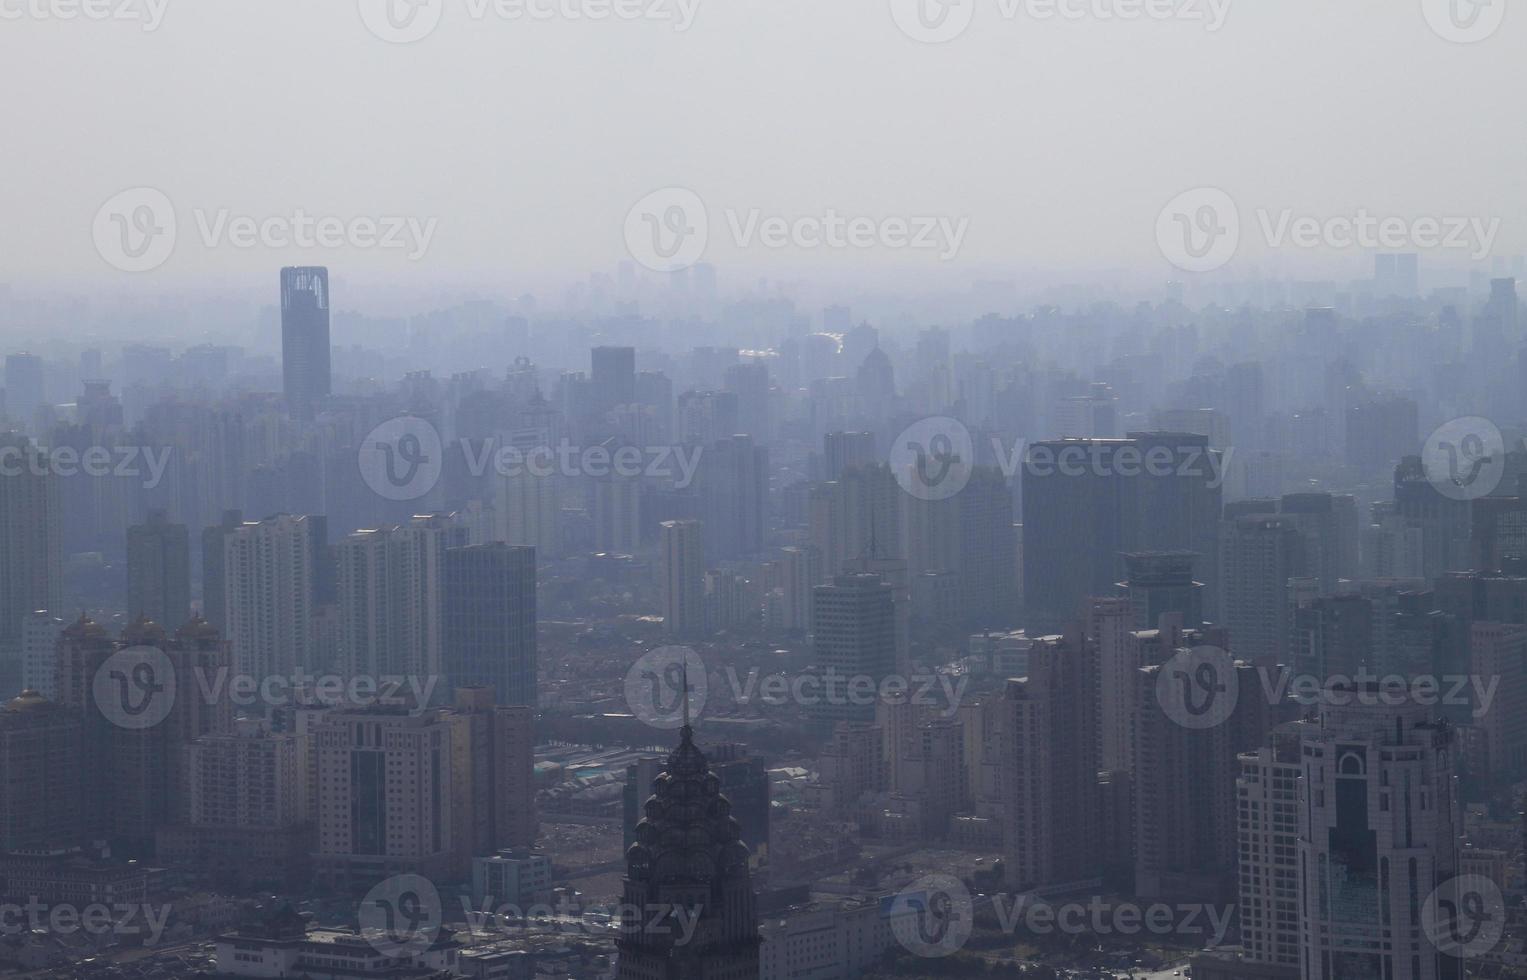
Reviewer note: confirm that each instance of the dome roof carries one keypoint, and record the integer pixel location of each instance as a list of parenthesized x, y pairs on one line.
[(687, 832)]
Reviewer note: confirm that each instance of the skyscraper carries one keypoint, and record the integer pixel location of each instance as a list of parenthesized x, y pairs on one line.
[(1261, 553), (390, 597), (305, 338), (683, 585), (385, 795), (1268, 803), (734, 484), (689, 855), (159, 571), (23, 389), (1088, 502), (614, 376), (854, 624), (270, 571), (31, 543), (41, 805), (1048, 765), (490, 621), (1378, 831)]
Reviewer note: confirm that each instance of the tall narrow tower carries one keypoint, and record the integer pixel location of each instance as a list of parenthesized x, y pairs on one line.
[(304, 338), (691, 911)]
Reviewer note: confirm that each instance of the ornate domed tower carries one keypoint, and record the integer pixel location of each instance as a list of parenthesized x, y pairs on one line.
[(688, 875)]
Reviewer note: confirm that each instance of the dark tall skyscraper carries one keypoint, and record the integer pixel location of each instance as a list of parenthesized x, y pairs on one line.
[(304, 338), (159, 571), (1088, 502), (23, 388), (614, 376), (490, 620), (689, 853)]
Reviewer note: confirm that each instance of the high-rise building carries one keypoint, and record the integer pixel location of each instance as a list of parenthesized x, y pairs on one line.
[(527, 509), (1499, 653), (385, 795), (391, 597), (799, 572), (213, 588), (248, 817), (1267, 800), (617, 514), (1378, 832), (41, 799), (1161, 582), (494, 756), (489, 619), (733, 480), (39, 653), (844, 449), (1261, 553), (987, 569), (749, 381), (1443, 521), (689, 853), (23, 389), (856, 516), (613, 371), (159, 571), (1048, 766), (1184, 788), (270, 572), (31, 542), (305, 354), (1088, 502), (683, 585), (854, 637), (705, 416)]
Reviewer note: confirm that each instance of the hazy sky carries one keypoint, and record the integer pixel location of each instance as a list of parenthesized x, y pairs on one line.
[(522, 144)]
